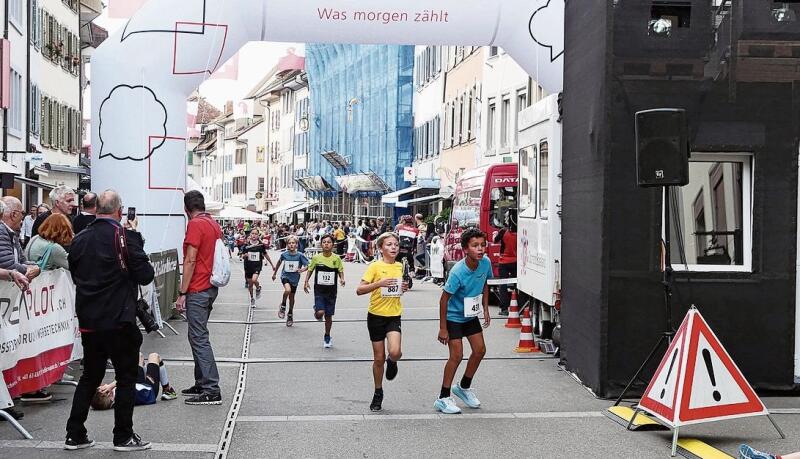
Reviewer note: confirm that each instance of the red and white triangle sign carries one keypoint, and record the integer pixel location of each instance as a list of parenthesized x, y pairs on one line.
[(697, 381)]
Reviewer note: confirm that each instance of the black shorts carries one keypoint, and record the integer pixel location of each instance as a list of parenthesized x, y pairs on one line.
[(379, 326), (285, 281), (249, 272), (151, 376), (458, 330)]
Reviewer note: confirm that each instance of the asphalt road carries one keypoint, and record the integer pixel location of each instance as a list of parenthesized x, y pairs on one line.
[(291, 398)]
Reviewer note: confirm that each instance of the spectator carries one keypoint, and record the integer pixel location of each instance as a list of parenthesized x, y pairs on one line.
[(421, 251), (108, 263), (11, 256), (46, 249), (339, 235), (87, 215), (149, 380), (27, 225), (196, 298), (63, 199), (22, 282), (408, 233), (382, 226), (507, 237)]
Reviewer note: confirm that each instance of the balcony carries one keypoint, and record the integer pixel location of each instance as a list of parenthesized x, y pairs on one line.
[(90, 10)]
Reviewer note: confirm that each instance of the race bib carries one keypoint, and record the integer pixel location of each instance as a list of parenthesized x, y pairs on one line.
[(394, 291), (407, 233), (473, 306), (291, 266), (254, 256), (326, 278)]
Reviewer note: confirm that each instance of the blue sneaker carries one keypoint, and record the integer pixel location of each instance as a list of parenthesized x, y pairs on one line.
[(466, 395), (447, 405), (327, 342), (746, 452)]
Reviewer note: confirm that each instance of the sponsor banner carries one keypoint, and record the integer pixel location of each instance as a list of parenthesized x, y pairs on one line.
[(166, 282), (37, 331)]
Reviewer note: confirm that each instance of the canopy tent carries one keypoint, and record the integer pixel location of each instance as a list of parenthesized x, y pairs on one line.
[(237, 213), (288, 208)]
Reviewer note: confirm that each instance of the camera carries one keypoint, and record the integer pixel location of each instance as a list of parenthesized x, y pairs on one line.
[(145, 316)]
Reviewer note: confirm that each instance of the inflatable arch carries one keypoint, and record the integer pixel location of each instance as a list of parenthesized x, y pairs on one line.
[(142, 75)]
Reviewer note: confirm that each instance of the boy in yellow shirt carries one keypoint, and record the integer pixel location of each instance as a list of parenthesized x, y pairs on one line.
[(326, 268), (384, 281)]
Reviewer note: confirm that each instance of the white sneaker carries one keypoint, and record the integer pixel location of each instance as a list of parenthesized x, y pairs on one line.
[(327, 342), (447, 405), (252, 302), (466, 395)]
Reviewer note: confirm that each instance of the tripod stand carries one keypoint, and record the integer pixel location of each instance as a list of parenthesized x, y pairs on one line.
[(666, 280)]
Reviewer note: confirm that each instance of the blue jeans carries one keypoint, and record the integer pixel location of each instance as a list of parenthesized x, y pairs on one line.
[(198, 310)]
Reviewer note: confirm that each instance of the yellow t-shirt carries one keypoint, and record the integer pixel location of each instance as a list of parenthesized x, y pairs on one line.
[(338, 234), (380, 305)]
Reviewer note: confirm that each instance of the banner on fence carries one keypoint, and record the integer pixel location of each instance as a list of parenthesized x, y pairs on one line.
[(37, 331), (166, 281)]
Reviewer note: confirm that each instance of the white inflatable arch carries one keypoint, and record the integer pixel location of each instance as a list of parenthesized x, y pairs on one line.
[(142, 75)]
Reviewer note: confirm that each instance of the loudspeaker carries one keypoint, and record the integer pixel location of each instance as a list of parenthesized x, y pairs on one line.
[(6, 181), (662, 147)]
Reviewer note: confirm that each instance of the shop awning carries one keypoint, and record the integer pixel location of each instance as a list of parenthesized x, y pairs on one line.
[(362, 182), (6, 168), (237, 213), (404, 204), (303, 206), (34, 183), (394, 196), (314, 183), (287, 208)]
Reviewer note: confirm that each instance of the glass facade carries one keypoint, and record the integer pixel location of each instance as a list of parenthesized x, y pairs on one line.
[(362, 110)]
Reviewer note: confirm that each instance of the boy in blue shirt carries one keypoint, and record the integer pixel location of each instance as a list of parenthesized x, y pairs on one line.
[(293, 263), (464, 296)]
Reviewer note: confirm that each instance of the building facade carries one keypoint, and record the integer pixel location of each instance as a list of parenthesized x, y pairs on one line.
[(361, 127)]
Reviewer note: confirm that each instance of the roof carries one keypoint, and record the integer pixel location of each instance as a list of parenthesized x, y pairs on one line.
[(244, 129)]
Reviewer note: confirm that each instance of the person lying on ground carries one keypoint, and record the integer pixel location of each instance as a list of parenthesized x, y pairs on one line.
[(151, 377)]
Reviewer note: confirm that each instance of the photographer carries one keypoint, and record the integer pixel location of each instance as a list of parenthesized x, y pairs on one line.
[(108, 263)]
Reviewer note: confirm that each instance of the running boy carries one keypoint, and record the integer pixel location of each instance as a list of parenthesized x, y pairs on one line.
[(293, 263), (384, 280), (254, 252), (465, 294), (327, 267)]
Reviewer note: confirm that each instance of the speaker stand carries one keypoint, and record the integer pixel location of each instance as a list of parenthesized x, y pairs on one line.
[(666, 282)]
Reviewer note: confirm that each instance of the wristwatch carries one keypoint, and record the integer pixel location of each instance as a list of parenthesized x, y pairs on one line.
[(182, 293)]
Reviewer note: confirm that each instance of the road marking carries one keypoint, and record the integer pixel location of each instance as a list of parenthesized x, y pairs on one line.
[(783, 410), (421, 417), (282, 322), (239, 360), (39, 444)]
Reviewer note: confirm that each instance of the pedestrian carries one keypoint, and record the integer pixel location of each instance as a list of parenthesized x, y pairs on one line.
[(254, 253), (507, 267), (196, 297), (383, 280), (339, 235), (408, 234), (327, 268), (464, 296), (11, 254), (293, 264), (27, 225), (108, 264), (63, 199), (46, 249), (88, 211)]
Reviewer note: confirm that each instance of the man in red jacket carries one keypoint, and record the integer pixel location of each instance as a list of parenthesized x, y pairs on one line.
[(507, 269)]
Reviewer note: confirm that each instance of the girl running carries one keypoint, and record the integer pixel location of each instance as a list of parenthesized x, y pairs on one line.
[(293, 263)]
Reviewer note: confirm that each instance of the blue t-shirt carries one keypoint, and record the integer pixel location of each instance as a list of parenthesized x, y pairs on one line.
[(465, 283), (296, 261)]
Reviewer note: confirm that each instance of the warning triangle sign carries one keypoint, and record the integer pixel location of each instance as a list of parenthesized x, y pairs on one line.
[(697, 381)]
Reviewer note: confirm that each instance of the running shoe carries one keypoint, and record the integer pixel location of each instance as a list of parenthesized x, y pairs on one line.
[(377, 400), (391, 369), (282, 311), (135, 443), (466, 395), (40, 396), (258, 292), (73, 444), (447, 405), (205, 399), (327, 342), (252, 302), (289, 320), (746, 452), (503, 312), (168, 393)]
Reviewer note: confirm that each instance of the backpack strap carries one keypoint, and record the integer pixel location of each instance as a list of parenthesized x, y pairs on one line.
[(42, 263)]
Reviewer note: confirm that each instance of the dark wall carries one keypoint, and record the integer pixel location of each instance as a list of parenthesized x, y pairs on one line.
[(584, 164)]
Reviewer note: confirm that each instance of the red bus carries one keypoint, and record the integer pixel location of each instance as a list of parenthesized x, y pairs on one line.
[(481, 199)]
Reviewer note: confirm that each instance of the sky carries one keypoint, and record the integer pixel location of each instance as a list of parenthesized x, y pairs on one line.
[(255, 60)]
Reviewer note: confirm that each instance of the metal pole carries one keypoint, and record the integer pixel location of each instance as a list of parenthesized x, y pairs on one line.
[(667, 274), (675, 441), (16, 425)]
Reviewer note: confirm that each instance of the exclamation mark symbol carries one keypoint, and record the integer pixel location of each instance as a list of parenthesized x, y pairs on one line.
[(710, 368), (669, 372)]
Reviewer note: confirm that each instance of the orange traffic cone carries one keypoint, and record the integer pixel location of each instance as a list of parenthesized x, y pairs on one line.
[(526, 343), (513, 312)]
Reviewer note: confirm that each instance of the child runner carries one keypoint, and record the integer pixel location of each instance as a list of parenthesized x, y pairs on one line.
[(465, 294), (254, 252), (384, 280), (326, 266), (293, 263)]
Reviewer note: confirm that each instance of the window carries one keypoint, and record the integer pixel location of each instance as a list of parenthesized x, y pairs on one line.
[(15, 107), (505, 121), (544, 170), (490, 122), (527, 179), (241, 156), (239, 185), (458, 108), (261, 184), (34, 15), (493, 51), (288, 101), (466, 209), (712, 214), (15, 14), (34, 105), (522, 100), (502, 199)]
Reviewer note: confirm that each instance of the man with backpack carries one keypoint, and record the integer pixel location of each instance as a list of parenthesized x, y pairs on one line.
[(196, 298)]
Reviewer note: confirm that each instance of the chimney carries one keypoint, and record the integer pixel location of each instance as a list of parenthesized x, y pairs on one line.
[(229, 107)]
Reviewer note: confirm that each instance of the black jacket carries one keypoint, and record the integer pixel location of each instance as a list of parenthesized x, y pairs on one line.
[(80, 222), (105, 294)]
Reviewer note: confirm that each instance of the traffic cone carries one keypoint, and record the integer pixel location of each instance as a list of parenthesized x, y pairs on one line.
[(513, 312), (526, 343)]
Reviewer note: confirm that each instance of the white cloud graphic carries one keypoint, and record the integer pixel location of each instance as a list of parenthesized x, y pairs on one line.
[(546, 27), (129, 116)]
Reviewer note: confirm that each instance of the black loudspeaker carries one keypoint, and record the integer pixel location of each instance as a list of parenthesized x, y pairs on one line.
[(662, 147), (6, 181)]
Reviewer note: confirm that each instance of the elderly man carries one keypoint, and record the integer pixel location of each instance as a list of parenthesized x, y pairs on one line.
[(108, 264), (63, 200), (11, 256)]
